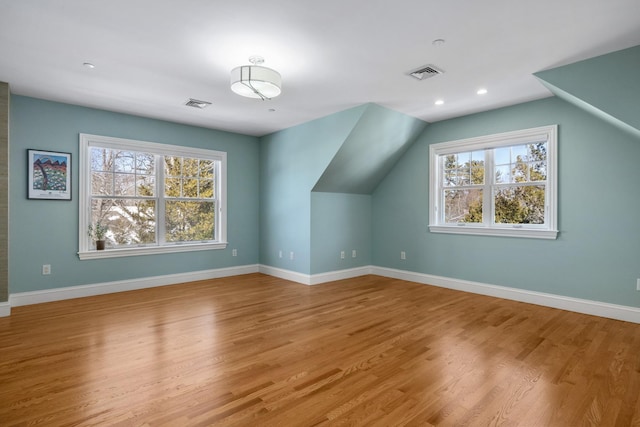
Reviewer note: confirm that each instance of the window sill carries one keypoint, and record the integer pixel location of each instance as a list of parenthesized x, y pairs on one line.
[(531, 233), (152, 250)]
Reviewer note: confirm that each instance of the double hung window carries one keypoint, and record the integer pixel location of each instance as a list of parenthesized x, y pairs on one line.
[(151, 197), (502, 184)]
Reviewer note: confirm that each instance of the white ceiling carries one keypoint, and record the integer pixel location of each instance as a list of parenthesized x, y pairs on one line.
[(151, 56)]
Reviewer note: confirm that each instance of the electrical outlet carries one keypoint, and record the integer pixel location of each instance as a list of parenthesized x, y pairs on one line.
[(341, 254), (638, 284), (280, 254), (353, 253), (234, 252), (46, 269), (291, 255), (403, 255)]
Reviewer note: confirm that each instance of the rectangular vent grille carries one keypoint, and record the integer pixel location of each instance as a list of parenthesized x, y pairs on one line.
[(426, 72), (195, 103)]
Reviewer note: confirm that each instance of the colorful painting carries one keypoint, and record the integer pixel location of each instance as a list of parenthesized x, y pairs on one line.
[(49, 175)]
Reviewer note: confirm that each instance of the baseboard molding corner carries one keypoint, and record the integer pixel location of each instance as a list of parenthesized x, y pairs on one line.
[(281, 273), (315, 279), (595, 308), (332, 276), (5, 309), (59, 294)]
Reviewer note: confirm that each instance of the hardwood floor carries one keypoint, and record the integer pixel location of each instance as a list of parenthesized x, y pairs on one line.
[(259, 351)]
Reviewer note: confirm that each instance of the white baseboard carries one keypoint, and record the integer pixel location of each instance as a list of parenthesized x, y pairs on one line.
[(596, 308), (5, 309), (331, 276), (315, 279), (281, 273), (49, 295)]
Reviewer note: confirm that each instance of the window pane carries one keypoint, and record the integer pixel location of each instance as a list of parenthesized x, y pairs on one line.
[(130, 222), (145, 164), (190, 167), (503, 174), (172, 187), (450, 178), (206, 188), (450, 162), (520, 172), (189, 221), (463, 206), (463, 169), (519, 153), (520, 205), (477, 167), (539, 171), (101, 183), (125, 161), (173, 166), (146, 186), (206, 169), (125, 184), (464, 176), (538, 151), (502, 156), (190, 188), (463, 159), (101, 159)]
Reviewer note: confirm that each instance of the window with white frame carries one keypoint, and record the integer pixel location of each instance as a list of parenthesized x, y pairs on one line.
[(501, 185), (151, 197)]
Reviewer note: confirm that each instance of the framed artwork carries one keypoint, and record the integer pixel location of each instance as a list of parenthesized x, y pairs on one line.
[(49, 175)]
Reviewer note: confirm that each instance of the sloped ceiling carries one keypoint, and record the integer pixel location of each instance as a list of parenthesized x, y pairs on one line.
[(607, 86), (151, 56), (372, 148)]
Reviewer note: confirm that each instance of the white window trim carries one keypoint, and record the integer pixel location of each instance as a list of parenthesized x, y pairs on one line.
[(85, 251), (548, 133)]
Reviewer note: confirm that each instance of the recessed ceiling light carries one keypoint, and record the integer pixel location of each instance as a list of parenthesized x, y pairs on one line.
[(439, 102), (481, 91), (272, 110), (89, 65), (438, 42)]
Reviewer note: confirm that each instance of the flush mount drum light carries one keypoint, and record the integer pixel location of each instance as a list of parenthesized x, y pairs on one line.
[(256, 81)]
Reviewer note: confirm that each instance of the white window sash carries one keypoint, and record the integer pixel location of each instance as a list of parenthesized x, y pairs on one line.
[(86, 141), (548, 230)]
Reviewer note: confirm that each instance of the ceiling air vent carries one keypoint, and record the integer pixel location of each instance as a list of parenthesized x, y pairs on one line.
[(195, 103), (426, 72)]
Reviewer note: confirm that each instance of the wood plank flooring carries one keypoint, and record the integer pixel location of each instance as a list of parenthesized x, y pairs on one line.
[(259, 351)]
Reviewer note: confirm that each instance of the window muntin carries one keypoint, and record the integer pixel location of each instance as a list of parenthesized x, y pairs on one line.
[(153, 197), (499, 184)]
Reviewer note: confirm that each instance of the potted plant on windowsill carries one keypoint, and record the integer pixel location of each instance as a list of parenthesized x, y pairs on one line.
[(97, 232)]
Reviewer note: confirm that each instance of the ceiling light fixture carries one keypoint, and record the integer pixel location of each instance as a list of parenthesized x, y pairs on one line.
[(439, 102), (256, 81), (89, 65), (481, 91)]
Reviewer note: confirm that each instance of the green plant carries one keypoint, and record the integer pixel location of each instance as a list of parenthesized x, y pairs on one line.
[(98, 231)]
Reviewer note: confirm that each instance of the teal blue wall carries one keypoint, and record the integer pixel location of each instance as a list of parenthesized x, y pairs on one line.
[(46, 232), (373, 147), (340, 222), (272, 205), (291, 162), (607, 85), (597, 253)]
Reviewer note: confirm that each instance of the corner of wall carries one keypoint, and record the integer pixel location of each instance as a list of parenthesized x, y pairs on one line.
[(4, 192)]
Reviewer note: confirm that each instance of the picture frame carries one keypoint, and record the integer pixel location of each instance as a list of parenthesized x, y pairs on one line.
[(49, 175)]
